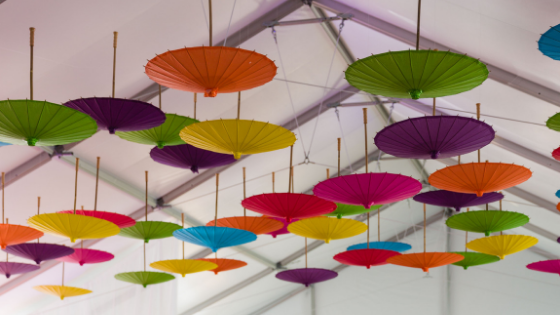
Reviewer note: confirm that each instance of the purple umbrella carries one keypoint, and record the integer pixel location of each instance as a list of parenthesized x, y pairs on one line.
[(117, 114), (434, 137), (187, 156), (14, 268), (444, 198), (39, 252), (307, 276)]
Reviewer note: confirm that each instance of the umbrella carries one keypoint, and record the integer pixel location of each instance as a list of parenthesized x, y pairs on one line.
[(502, 245), (557, 194), (284, 229), (144, 278), (366, 257), (479, 178), (556, 154), (554, 122), (214, 237), (425, 260), (256, 225), (61, 291), (307, 276), (14, 268), (393, 246), (434, 137), (120, 220), (73, 226), (12, 234), (87, 256), (224, 264), (150, 230), (183, 266), (190, 157), (486, 221), (237, 137), (475, 259), (368, 189), (551, 266), (449, 199), (343, 210), (289, 205), (166, 134), (549, 43), (39, 252), (327, 229), (211, 70)]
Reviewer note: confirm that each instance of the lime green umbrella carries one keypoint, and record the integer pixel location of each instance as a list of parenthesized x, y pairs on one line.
[(144, 278), (487, 221), (163, 135), (150, 230), (343, 210), (554, 122), (475, 259)]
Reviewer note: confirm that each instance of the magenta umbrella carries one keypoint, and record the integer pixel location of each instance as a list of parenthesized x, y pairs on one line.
[(284, 229), (189, 157), (449, 199), (550, 266), (307, 276), (39, 252), (14, 268), (87, 256), (368, 189)]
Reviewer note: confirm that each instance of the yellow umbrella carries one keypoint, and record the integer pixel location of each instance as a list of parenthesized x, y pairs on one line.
[(502, 245), (327, 229), (61, 291), (183, 266)]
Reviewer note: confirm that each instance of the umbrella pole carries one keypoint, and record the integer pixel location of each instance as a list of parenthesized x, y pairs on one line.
[(3, 178), (379, 224), (62, 273), (434, 108), (96, 184), (76, 183), (418, 26), (365, 139), (115, 35), (328, 174), (466, 236), (216, 215), (183, 225), (210, 21), (289, 170), (244, 196), (31, 44), (144, 256), (424, 228), (38, 209), (338, 157), (367, 243), (238, 105), (146, 206), (306, 253), (478, 118), (292, 170), (273, 182), (194, 106), (501, 232), (159, 86)]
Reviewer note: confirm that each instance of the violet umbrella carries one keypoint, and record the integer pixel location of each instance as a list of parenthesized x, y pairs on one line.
[(307, 276), (444, 198), (39, 252), (13, 268), (189, 157)]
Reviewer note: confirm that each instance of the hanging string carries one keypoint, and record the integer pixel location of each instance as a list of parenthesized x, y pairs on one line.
[(183, 226), (194, 116), (96, 184), (146, 198), (459, 159), (379, 224), (82, 244), (31, 45), (418, 26), (328, 173), (290, 173), (159, 85), (292, 170), (244, 195), (3, 178), (434, 108), (144, 256), (273, 182), (386, 124), (230, 18), (62, 273), (367, 231), (115, 35), (478, 118), (424, 228), (306, 253), (337, 113), (365, 139), (238, 105), (38, 210), (501, 232), (210, 21), (486, 207), (466, 236), (216, 215), (76, 184)]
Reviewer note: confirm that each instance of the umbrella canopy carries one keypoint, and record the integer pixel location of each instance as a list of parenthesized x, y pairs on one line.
[(449, 199), (40, 123), (84, 256), (502, 245), (211, 70), (61, 291), (549, 43), (14, 268), (39, 252), (73, 226), (120, 220), (190, 157), (144, 278), (479, 178), (307, 276), (425, 260), (12, 234), (214, 237), (288, 206), (393, 246), (368, 189), (150, 230), (475, 259), (327, 229), (183, 266), (556, 154), (416, 74), (434, 137), (256, 225), (166, 134), (118, 114), (487, 221), (237, 137), (365, 257), (554, 122), (343, 210), (551, 266), (557, 194), (284, 229), (224, 264)]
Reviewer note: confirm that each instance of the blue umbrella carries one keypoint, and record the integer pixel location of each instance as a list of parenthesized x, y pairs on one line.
[(214, 237), (558, 193), (394, 246), (549, 43)]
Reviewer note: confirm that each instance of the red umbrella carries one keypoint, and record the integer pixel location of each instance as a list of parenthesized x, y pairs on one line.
[(367, 257), (288, 205)]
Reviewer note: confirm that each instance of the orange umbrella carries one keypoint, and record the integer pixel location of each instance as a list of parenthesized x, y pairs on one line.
[(225, 264)]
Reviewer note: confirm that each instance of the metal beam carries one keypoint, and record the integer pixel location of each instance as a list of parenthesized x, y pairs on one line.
[(497, 74)]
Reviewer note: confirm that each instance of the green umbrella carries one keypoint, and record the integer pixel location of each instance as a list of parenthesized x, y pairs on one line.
[(416, 73), (145, 278), (343, 210), (40, 123), (165, 134), (554, 122), (475, 259), (486, 221), (150, 230)]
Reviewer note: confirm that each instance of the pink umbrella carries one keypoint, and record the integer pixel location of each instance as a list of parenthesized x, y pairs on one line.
[(368, 189), (87, 256), (551, 266), (284, 229)]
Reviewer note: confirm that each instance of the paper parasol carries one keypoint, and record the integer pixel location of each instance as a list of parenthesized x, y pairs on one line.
[(39, 252), (166, 134), (556, 154), (394, 246), (284, 229), (550, 266), (502, 245), (190, 157), (307, 276), (120, 220), (557, 194), (12, 234), (327, 229), (475, 259), (237, 137), (416, 74), (73, 226), (214, 237), (61, 291), (288, 206), (449, 199), (549, 43), (256, 225), (150, 230), (40, 123), (368, 189), (224, 264), (343, 210), (84, 256), (183, 266), (144, 278), (211, 70), (9, 269), (117, 114), (479, 178), (425, 260), (487, 222), (434, 137), (367, 257)]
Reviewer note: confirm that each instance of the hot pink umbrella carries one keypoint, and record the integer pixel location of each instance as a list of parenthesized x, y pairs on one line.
[(284, 229), (368, 189), (551, 266), (288, 206), (87, 256)]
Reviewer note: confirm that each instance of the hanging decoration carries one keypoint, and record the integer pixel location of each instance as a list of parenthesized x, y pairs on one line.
[(224, 264), (393, 246), (284, 229), (502, 245), (144, 278), (554, 122), (84, 256), (487, 221), (118, 114), (549, 43), (61, 291), (327, 229), (39, 252), (8, 268), (189, 157), (556, 154), (550, 266), (454, 200)]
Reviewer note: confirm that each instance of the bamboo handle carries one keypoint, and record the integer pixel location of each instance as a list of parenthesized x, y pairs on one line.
[(328, 173), (338, 144), (32, 36), (115, 36), (365, 115), (478, 111)]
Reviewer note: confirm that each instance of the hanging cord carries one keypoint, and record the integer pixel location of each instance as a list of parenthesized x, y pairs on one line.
[(367, 243), (146, 206), (273, 182), (76, 184), (115, 35), (365, 139), (386, 124), (230, 19), (337, 113), (466, 236), (289, 170), (306, 253), (418, 26), (338, 157), (292, 170), (31, 45), (238, 105), (96, 184), (379, 224), (424, 228), (183, 226), (62, 273), (434, 107), (244, 195), (194, 116), (159, 86), (38, 210), (3, 179), (478, 118), (216, 214), (501, 232), (210, 21), (144, 256)]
